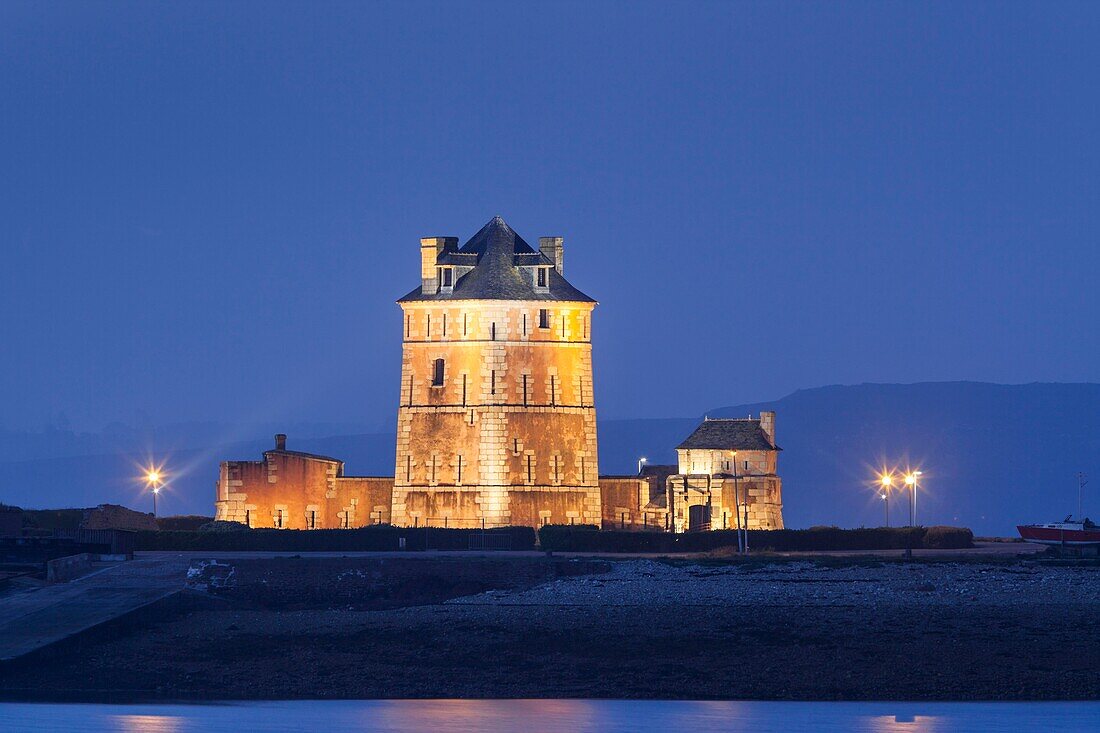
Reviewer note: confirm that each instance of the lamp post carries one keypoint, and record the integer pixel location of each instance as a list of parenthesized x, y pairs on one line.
[(746, 511), (737, 504), (887, 482), (912, 480), (641, 462), (153, 480)]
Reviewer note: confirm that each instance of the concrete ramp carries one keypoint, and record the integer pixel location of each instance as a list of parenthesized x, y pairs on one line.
[(33, 621)]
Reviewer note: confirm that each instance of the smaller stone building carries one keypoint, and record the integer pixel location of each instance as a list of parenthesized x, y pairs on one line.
[(636, 502), (294, 490), (727, 473)]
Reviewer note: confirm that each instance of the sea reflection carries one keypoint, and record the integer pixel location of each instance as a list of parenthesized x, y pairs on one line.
[(544, 716), (148, 723), (905, 724)]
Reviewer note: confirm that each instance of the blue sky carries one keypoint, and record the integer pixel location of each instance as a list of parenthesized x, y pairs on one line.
[(207, 210)]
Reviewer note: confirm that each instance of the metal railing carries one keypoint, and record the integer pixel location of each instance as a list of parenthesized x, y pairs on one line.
[(490, 541)]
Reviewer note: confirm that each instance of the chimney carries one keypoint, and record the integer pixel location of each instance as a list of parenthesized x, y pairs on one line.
[(554, 250), (767, 424), (280, 441), (430, 249)]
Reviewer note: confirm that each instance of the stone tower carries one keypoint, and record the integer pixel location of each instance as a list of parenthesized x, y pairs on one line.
[(497, 424)]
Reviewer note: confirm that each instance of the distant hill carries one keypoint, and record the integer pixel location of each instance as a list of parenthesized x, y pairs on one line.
[(993, 455)]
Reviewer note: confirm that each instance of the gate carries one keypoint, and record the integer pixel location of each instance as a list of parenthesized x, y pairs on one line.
[(698, 518)]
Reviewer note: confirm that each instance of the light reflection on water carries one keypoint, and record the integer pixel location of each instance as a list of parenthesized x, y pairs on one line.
[(547, 716)]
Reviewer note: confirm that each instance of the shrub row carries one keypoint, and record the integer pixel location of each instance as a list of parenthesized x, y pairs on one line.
[(565, 538), (52, 519), (183, 521), (377, 537)]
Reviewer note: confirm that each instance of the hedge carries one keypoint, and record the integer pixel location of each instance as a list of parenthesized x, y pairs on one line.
[(565, 538), (183, 521), (382, 537), (53, 518)]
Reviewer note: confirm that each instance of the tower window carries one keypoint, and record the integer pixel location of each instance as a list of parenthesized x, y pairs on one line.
[(437, 373), (544, 318)]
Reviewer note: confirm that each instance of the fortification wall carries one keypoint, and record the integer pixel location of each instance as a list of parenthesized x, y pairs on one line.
[(295, 491)]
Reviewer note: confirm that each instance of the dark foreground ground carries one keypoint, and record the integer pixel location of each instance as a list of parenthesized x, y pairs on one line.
[(646, 629)]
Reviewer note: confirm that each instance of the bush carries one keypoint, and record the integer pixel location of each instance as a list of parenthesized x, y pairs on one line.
[(557, 538), (183, 521), (53, 518), (379, 537), (948, 538), (221, 525)]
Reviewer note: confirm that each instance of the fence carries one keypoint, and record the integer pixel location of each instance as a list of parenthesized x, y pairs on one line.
[(490, 541), (107, 541)]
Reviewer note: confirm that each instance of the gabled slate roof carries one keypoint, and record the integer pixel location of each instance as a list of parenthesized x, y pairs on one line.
[(496, 252), (300, 454), (728, 434)]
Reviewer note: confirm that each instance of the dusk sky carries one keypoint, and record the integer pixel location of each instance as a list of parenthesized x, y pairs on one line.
[(207, 211)]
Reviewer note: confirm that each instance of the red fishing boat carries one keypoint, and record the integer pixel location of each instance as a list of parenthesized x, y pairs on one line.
[(1068, 532)]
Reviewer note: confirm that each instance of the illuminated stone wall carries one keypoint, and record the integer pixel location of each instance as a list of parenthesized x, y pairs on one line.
[(508, 435), (762, 492), (299, 491), (633, 502)]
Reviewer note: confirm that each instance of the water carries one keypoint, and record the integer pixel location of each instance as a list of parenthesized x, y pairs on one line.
[(539, 716)]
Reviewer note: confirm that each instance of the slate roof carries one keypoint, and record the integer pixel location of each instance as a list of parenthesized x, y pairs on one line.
[(300, 454), (658, 469), (496, 252), (728, 434)]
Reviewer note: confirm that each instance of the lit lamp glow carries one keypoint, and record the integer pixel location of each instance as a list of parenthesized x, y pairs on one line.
[(154, 479), (887, 481)]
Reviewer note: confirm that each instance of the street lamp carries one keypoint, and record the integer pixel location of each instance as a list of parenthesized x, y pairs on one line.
[(742, 544), (887, 482), (641, 461), (153, 480), (911, 482), (916, 485)]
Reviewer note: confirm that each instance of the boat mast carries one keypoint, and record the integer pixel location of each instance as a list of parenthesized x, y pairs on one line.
[(1082, 479)]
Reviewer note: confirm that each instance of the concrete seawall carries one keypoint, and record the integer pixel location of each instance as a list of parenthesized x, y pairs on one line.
[(374, 583)]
